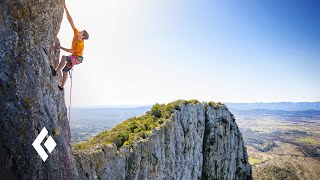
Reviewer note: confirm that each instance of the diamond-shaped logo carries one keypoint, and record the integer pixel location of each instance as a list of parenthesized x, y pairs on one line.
[(50, 144)]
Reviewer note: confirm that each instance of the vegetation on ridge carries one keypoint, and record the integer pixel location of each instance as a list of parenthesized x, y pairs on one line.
[(138, 128)]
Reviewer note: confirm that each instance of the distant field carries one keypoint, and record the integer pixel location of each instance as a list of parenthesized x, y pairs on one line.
[(253, 160), (309, 140), (281, 144)]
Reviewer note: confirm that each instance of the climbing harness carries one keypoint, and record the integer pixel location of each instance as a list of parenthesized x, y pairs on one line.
[(74, 60)]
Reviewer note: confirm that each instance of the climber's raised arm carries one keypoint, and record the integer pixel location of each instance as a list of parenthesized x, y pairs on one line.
[(69, 17)]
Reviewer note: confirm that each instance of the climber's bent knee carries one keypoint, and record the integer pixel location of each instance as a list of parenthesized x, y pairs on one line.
[(67, 67)]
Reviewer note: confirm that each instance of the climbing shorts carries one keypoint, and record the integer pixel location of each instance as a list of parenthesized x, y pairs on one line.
[(71, 63)]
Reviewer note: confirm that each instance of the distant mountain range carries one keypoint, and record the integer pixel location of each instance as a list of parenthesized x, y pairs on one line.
[(285, 106)]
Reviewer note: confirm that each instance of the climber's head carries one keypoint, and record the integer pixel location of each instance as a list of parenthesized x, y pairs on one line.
[(83, 35)]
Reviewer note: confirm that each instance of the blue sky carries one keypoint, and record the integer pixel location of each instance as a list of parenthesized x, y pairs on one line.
[(143, 52)]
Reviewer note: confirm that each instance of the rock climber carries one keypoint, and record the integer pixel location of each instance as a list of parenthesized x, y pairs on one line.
[(76, 52)]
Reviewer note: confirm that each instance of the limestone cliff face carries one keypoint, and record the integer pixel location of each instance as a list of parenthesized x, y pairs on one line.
[(198, 142), (29, 98)]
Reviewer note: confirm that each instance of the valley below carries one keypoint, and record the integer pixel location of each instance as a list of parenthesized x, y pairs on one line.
[(282, 144)]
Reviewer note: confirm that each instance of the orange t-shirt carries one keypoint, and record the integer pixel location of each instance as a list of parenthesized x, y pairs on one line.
[(77, 45)]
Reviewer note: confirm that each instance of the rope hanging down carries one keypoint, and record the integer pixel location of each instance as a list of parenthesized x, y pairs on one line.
[(69, 136)]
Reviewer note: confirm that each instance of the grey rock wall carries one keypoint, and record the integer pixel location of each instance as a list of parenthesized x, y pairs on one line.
[(29, 97), (224, 152)]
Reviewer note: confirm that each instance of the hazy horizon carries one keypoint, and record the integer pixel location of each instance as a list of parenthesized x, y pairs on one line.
[(147, 105)]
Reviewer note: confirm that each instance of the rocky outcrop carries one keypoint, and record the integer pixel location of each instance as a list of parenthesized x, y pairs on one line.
[(29, 98), (197, 142)]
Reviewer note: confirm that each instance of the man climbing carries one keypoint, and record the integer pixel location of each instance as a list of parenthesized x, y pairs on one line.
[(76, 52)]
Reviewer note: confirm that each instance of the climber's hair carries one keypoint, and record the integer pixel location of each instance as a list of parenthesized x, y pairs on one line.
[(85, 35)]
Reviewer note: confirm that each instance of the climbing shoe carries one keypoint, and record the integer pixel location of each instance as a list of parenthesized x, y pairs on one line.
[(54, 73), (61, 88)]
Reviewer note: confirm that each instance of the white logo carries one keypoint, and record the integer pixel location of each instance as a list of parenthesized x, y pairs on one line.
[(50, 144)]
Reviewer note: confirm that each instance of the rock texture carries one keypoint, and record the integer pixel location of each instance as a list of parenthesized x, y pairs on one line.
[(198, 142), (29, 98)]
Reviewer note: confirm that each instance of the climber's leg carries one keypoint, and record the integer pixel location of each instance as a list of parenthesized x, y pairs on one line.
[(64, 78), (61, 64)]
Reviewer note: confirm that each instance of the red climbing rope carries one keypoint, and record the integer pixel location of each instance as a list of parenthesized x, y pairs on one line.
[(69, 136)]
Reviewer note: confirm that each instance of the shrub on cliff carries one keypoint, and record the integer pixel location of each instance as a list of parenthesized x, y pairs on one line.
[(136, 128)]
